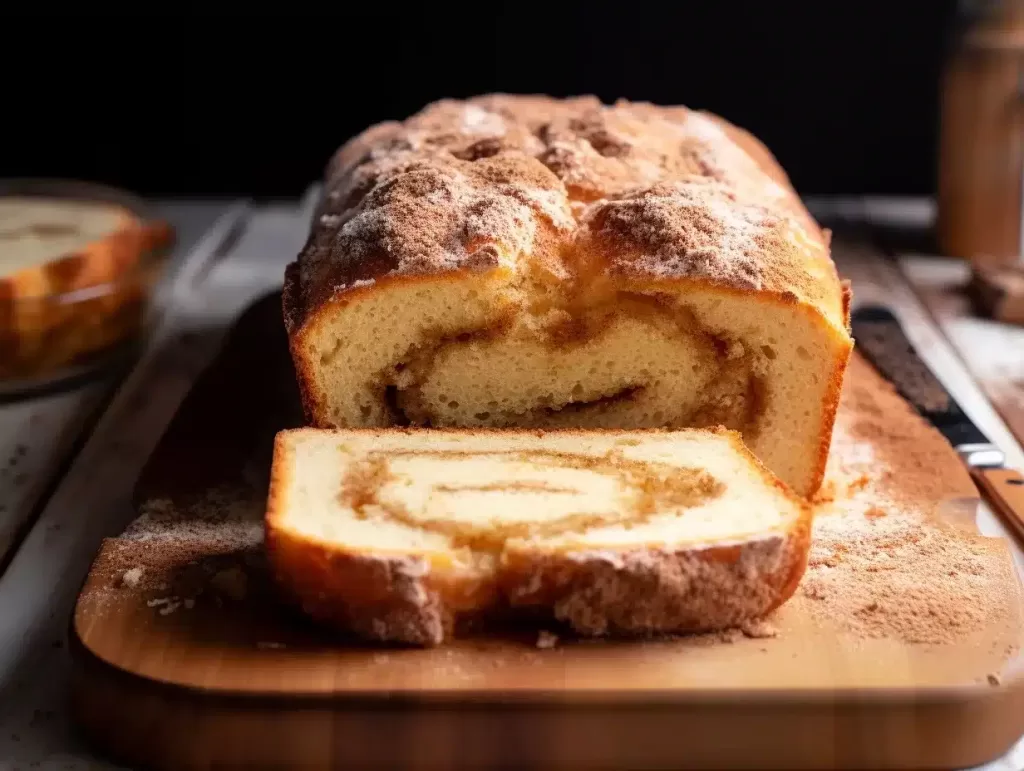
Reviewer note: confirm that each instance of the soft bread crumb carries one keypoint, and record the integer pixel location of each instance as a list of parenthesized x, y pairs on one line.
[(909, 468)]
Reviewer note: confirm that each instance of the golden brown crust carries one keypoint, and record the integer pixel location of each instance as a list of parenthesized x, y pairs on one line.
[(291, 305), (663, 591), (830, 406), (398, 604), (564, 210), (49, 318), (398, 597), (385, 597), (662, 192)]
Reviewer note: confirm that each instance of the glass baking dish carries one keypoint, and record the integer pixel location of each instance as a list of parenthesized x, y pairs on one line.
[(73, 315)]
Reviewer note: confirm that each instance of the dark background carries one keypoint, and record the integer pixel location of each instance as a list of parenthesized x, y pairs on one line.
[(845, 93)]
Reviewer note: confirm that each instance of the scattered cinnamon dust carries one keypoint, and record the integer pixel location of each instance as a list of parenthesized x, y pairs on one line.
[(179, 551), (883, 562), (900, 577)]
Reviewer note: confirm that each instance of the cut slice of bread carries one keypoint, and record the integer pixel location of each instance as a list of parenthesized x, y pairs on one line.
[(404, 534)]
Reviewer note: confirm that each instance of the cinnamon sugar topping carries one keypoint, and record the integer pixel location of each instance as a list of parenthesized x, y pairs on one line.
[(479, 183), (692, 228)]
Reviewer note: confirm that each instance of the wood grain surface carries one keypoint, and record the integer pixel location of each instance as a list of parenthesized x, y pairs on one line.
[(1006, 490), (184, 657), (992, 351)]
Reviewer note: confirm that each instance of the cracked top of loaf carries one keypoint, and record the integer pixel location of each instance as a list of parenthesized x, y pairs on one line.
[(631, 189)]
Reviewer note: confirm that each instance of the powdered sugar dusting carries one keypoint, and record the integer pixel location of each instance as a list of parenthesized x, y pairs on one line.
[(701, 129)]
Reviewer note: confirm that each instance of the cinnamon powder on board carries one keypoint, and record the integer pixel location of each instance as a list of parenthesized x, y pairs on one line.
[(884, 562)]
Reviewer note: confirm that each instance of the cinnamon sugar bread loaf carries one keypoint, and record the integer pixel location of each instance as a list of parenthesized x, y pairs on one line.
[(404, 534), (525, 261)]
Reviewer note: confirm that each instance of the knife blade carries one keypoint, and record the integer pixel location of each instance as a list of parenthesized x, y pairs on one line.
[(881, 340)]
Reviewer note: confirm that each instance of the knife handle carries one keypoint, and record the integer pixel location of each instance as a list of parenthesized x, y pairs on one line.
[(1004, 489)]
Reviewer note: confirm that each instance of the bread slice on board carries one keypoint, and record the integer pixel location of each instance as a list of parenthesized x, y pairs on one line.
[(404, 535), (512, 261)]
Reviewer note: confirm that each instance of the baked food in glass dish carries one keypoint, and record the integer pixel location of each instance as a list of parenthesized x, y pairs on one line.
[(515, 261), (78, 263)]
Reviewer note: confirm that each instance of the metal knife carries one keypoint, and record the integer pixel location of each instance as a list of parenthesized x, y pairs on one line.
[(881, 340)]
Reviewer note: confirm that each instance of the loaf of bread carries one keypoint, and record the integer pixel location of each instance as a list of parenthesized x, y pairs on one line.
[(525, 261), (408, 535)]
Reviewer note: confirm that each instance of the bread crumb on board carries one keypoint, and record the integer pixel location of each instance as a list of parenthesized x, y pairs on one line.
[(132, 577), (759, 630), (546, 640)]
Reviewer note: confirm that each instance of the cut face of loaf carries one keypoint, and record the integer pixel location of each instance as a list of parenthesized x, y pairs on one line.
[(401, 535), (522, 262)]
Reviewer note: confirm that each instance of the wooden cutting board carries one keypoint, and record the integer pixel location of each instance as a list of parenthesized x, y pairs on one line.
[(900, 649)]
